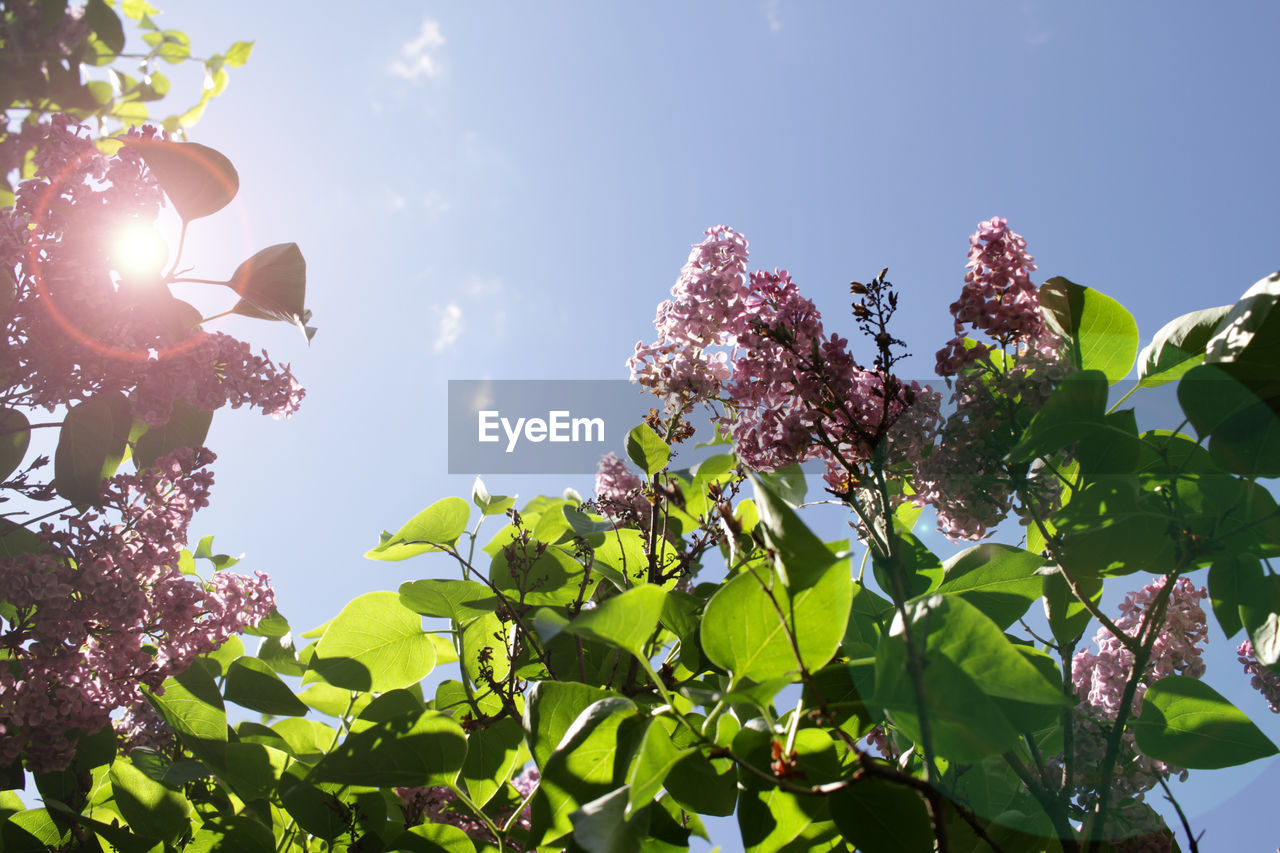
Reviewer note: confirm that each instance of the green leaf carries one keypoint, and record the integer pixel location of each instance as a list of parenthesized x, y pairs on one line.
[(601, 825), (786, 483), (1186, 722), (1100, 333), (550, 710), (971, 671), (647, 450), (434, 529), (197, 179), (1244, 430), (775, 821), (656, 757), (456, 600), (1260, 615), (238, 53), (877, 816), (743, 632), (254, 769), (1000, 580), (434, 838), (273, 285), (804, 557), (489, 504), (1178, 346), (584, 765), (375, 644), (15, 435), (187, 427), (90, 446), (252, 684), (1068, 618), (627, 620), (1250, 332), (279, 653), (492, 754), (105, 24), (149, 807), (427, 748), (193, 708), (1109, 529), (231, 834), (1230, 576), (1075, 407)]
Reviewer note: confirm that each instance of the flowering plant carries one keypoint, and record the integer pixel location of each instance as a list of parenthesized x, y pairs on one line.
[(671, 649)]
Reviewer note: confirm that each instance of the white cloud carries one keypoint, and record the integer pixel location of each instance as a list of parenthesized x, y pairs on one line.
[(417, 57), (435, 205), (449, 328), (481, 287), (771, 15)]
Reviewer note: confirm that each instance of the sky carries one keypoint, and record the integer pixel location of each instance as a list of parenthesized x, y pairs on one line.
[(507, 192)]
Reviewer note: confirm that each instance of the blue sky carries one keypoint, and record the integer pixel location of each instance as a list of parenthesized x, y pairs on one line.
[(508, 192)]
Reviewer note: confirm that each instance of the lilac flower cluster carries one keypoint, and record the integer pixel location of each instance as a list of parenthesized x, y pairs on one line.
[(619, 490), (1100, 679), (964, 477), (104, 610), (438, 804), (1263, 679), (74, 330), (795, 392), (705, 311), (998, 298)]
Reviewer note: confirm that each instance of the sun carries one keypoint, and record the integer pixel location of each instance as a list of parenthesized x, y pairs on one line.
[(138, 250)]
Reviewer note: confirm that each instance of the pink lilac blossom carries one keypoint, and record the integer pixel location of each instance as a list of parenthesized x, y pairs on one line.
[(438, 804), (105, 611), (75, 330), (799, 394), (1263, 679), (705, 311), (998, 298), (1100, 679), (620, 491), (964, 477)]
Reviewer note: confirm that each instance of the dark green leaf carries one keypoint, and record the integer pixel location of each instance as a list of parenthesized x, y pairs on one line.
[(252, 684), (423, 749), (1186, 722), (197, 179), (550, 710), (192, 707), (1178, 346), (601, 825), (1260, 614), (1000, 580), (1229, 578), (15, 435), (878, 816), (150, 808), (273, 285), (187, 427), (105, 24), (491, 757), (90, 446)]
